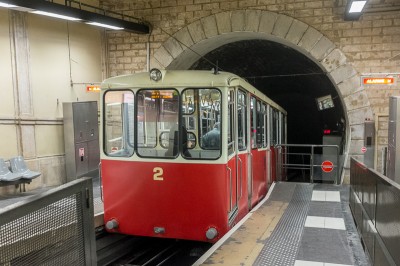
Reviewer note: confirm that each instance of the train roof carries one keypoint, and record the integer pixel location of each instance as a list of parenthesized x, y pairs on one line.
[(184, 78)]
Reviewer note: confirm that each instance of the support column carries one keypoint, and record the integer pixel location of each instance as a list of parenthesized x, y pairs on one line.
[(21, 82)]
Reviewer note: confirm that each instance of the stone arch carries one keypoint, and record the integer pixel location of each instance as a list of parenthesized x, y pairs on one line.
[(208, 33)]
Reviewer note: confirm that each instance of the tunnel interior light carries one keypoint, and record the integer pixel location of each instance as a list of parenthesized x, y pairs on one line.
[(76, 11), (357, 6)]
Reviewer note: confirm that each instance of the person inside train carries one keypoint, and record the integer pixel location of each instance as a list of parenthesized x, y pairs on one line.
[(211, 140)]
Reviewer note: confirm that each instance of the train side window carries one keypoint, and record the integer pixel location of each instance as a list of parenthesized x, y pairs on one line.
[(263, 117), (242, 121), (253, 123), (267, 125), (272, 126), (157, 123), (231, 122), (260, 125), (118, 123)]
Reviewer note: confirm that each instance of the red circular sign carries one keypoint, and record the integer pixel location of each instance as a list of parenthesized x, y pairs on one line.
[(327, 166), (363, 149)]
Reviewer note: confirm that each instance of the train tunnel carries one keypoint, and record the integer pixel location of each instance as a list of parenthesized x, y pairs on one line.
[(288, 77)]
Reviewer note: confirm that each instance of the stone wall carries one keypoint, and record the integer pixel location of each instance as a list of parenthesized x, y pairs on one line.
[(370, 45)]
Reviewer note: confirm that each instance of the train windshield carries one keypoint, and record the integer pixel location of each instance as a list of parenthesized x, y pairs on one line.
[(164, 124), (157, 123)]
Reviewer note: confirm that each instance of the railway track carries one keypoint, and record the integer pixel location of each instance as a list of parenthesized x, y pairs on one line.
[(121, 250)]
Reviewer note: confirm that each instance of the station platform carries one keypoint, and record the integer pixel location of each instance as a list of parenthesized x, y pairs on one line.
[(296, 224)]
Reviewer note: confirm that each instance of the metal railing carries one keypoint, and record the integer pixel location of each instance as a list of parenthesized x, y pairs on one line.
[(374, 202), (52, 228), (310, 158)]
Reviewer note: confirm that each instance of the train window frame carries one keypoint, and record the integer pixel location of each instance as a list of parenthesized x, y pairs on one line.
[(159, 153), (124, 139)]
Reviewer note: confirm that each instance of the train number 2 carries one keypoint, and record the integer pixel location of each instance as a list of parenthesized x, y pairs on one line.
[(158, 172)]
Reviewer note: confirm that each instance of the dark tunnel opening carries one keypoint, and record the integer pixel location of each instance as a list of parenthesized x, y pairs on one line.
[(289, 78)]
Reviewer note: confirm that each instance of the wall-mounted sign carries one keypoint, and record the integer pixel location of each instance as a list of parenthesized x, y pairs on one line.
[(327, 166), (92, 88), (378, 81)]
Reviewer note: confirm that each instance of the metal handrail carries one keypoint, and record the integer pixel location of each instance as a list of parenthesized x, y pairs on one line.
[(310, 166)]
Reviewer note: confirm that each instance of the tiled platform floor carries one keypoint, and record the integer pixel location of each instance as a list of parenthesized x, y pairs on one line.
[(299, 224)]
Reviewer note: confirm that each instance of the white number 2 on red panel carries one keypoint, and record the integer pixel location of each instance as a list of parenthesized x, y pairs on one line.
[(158, 172)]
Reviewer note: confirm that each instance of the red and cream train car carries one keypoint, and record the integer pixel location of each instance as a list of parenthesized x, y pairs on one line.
[(185, 154)]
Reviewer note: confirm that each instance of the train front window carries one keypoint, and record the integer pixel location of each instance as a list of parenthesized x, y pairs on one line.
[(118, 123), (201, 119), (157, 123)]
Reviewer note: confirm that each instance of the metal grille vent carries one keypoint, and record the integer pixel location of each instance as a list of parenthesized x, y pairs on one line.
[(48, 230)]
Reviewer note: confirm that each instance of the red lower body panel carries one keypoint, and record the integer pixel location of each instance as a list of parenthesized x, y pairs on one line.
[(184, 200)]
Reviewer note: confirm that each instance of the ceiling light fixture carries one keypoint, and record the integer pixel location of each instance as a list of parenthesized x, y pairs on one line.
[(354, 9), (77, 11), (357, 6), (55, 15), (6, 5), (104, 25)]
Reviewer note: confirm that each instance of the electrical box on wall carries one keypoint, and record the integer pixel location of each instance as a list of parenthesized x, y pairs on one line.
[(369, 143), (81, 137)]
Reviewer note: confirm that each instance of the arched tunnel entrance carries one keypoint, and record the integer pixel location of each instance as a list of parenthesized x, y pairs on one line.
[(293, 81), (287, 77), (291, 62)]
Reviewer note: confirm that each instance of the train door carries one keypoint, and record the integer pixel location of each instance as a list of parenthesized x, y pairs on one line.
[(265, 143), (258, 150), (233, 160), (242, 149), (267, 132)]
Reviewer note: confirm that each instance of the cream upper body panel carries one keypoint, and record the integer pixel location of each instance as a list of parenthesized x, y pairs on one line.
[(185, 78)]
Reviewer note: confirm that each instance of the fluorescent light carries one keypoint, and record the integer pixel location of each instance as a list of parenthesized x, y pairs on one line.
[(357, 6), (7, 5), (55, 15), (104, 25)]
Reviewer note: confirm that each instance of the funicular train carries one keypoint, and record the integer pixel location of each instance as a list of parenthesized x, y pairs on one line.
[(185, 154)]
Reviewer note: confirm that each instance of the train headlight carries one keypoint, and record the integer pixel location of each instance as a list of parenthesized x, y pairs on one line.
[(211, 233), (155, 74), (112, 224)]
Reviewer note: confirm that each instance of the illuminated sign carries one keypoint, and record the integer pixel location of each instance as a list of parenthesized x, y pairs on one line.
[(161, 95), (92, 88), (327, 131), (325, 102), (378, 81)]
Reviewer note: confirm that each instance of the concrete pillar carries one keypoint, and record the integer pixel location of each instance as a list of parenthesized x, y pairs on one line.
[(22, 87)]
